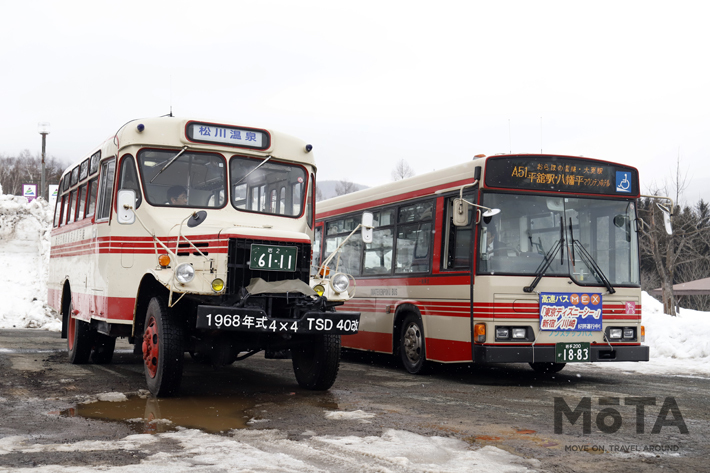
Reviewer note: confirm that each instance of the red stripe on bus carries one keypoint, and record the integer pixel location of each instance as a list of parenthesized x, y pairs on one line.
[(95, 306), (375, 341), (448, 350)]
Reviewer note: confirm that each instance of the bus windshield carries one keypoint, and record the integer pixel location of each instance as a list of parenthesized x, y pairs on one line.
[(272, 188), (584, 237), (191, 180)]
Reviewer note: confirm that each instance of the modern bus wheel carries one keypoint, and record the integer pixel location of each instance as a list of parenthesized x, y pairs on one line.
[(79, 340), (411, 344), (316, 363), (163, 350), (547, 368), (103, 349)]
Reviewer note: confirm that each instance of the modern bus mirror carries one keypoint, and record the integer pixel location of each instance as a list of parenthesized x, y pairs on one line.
[(126, 203), (460, 217), (367, 220)]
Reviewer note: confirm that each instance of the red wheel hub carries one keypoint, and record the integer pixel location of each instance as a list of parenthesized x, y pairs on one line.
[(150, 347), (70, 332)]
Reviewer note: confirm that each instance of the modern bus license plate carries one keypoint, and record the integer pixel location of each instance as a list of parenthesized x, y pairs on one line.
[(572, 352), (273, 258)]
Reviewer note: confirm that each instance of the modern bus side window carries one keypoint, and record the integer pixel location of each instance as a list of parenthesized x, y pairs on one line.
[(378, 254), (108, 169), (81, 203), (348, 261), (91, 207), (414, 225), (128, 179), (457, 240)]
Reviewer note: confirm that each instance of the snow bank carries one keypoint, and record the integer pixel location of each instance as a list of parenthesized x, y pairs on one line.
[(24, 261)]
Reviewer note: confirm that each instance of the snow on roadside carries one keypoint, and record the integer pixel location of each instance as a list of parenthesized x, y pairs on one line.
[(271, 450), (24, 262)]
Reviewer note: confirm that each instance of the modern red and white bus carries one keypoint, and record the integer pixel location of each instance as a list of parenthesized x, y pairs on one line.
[(514, 258), (194, 236)]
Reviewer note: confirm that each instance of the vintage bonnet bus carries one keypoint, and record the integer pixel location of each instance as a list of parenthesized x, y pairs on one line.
[(502, 259), (194, 236)]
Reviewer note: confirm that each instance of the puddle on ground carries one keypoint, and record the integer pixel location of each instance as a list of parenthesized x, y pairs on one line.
[(151, 415), (209, 413)]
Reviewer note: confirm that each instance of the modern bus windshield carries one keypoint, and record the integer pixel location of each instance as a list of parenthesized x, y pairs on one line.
[(585, 239)]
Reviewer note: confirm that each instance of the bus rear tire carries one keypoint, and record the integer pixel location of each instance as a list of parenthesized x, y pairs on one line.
[(316, 363), (104, 347), (411, 344), (79, 340), (547, 368), (163, 350)]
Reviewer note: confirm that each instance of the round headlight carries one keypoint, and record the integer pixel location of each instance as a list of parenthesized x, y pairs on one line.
[(185, 273), (340, 283), (319, 289)]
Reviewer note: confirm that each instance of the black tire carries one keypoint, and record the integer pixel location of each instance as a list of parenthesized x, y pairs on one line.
[(547, 368), (316, 363), (412, 348), (80, 339), (163, 350), (103, 349)]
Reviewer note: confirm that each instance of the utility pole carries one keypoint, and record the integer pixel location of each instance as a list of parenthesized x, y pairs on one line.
[(44, 131)]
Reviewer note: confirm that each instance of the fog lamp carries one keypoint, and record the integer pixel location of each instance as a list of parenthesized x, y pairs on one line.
[(320, 290), (217, 285)]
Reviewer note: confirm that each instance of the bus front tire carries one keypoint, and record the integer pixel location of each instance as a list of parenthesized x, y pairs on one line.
[(316, 364), (104, 347), (411, 344), (163, 350), (547, 368), (79, 340)]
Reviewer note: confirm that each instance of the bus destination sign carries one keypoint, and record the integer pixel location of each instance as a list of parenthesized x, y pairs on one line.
[(228, 135), (561, 174)]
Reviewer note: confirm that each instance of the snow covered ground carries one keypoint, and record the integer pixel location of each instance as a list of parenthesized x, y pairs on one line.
[(679, 347)]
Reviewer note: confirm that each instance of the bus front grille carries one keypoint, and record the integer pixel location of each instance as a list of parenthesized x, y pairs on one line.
[(239, 273)]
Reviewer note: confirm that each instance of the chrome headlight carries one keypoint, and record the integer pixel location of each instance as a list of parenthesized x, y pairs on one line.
[(615, 333), (340, 283), (185, 273)]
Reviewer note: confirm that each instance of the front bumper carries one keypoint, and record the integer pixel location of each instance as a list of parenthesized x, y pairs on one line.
[(249, 319), (546, 354)]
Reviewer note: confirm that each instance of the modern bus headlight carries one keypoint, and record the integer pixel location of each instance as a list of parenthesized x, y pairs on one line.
[(340, 283), (519, 332), (629, 332), (185, 273), (615, 333)]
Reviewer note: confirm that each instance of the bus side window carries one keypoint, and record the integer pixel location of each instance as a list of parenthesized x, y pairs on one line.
[(81, 203), (457, 240), (58, 211), (67, 209), (91, 207), (414, 239), (108, 169), (128, 178)]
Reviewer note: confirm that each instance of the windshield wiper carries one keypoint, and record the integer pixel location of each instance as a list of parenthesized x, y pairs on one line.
[(589, 260), (169, 163), (540, 271), (260, 164)]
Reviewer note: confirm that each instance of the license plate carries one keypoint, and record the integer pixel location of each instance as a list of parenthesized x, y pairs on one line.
[(572, 352), (273, 258)]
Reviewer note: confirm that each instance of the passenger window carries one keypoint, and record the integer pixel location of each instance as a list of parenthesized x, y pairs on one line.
[(414, 238), (72, 207), (108, 169), (58, 211), (93, 185), (81, 204), (129, 178)]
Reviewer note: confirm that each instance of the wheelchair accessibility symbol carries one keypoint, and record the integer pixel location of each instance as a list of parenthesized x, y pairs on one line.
[(623, 184)]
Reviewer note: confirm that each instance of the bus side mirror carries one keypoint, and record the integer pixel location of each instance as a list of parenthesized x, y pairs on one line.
[(666, 218), (367, 220), (126, 202), (460, 216)]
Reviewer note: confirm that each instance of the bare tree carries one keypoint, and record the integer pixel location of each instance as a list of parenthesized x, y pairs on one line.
[(402, 170), (345, 187), (27, 169)]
